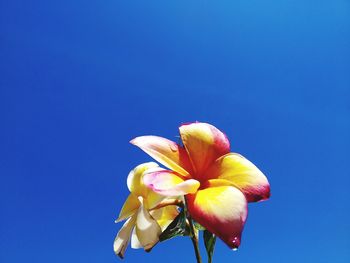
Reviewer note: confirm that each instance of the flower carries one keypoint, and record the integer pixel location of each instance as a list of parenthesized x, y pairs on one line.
[(217, 184), (144, 221)]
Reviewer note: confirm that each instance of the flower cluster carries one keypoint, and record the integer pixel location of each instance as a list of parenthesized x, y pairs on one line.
[(213, 184)]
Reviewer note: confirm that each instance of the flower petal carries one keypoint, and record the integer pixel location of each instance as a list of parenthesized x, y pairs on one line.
[(138, 188), (222, 210), (123, 237), (165, 215), (152, 199), (135, 242), (129, 208), (147, 229), (204, 144), (167, 152), (168, 183), (243, 174), (134, 181)]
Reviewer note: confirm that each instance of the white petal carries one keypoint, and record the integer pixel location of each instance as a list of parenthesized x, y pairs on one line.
[(147, 229), (123, 237), (135, 242)]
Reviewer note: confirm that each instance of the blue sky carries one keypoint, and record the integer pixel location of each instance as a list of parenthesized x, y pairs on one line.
[(79, 79)]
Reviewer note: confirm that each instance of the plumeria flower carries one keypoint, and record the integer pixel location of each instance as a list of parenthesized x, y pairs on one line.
[(217, 184), (145, 222)]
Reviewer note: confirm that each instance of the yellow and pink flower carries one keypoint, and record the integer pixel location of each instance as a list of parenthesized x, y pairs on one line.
[(217, 184)]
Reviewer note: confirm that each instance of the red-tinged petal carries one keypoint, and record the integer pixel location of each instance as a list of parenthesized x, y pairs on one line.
[(204, 144), (222, 210), (167, 152), (243, 174), (168, 183)]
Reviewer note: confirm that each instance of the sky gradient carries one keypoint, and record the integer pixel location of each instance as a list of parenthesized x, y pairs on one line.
[(79, 79)]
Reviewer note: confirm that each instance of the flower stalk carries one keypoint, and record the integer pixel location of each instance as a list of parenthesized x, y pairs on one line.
[(193, 235)]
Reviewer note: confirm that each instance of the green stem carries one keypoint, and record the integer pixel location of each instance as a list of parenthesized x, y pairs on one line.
[(194, 237)]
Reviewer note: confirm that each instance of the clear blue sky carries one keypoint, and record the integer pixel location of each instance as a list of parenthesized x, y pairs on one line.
[(79, 79)]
